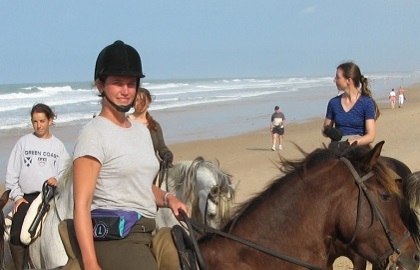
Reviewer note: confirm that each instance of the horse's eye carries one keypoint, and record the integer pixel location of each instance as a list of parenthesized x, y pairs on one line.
[(386, 197), (214, 191)]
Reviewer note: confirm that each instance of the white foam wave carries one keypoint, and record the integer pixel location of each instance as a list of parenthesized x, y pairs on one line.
[(76, 102), (166, 86)]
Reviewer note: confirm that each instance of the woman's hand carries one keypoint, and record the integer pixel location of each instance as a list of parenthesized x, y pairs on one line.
[(17, 203), (176, 206), (52, 181)]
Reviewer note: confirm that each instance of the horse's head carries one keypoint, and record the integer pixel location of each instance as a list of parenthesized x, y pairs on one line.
[(205, 188), (215, 205), (215, 193), (377, 221)]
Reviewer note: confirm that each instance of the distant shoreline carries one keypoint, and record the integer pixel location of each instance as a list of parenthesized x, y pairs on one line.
[(203, 122)]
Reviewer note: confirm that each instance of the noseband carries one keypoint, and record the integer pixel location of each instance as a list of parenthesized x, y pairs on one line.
[(360, 183)]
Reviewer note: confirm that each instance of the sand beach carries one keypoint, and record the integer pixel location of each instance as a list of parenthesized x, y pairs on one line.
[(249, 159)]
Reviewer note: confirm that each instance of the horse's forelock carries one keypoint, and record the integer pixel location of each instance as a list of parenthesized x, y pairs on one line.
[(411, 189)]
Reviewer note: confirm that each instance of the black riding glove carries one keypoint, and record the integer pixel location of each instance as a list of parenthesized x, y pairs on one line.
[(168, 157), (334, 134)]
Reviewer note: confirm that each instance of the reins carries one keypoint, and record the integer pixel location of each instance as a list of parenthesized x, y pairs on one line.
[(191, 224), (163, 175)]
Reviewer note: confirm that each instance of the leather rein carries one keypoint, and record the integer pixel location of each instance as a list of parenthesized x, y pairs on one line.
[(191, 224)]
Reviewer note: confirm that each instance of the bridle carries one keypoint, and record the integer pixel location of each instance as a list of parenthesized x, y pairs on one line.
[(211, 197), (362, 188), (192, 225)]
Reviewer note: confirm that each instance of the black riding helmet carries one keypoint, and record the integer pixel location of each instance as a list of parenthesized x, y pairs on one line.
[(118, 59)]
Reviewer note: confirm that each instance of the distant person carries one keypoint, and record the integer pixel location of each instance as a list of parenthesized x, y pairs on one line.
[(37, 157), (142, 115), (354, 112), (392, 98), (277, 128), (401, 97)]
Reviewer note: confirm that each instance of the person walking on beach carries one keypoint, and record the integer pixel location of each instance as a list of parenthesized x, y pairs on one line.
[(277, 128), (142, 115), (37, 157), (392, 98), (354, 112), (401, 97), (114, 167)]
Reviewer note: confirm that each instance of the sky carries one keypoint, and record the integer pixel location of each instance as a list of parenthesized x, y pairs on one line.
[(58, 41)]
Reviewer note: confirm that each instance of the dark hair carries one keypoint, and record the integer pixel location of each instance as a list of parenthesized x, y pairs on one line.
[(42, 108), (144, 96), (352, 71)]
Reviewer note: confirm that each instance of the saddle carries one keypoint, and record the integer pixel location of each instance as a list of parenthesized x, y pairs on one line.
[(31, 228)]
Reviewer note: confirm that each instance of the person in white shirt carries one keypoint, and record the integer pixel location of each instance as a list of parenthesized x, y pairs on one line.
[(37, 157)]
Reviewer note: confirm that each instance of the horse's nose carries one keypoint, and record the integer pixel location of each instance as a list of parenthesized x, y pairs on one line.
[(416, 257), (408, 260)]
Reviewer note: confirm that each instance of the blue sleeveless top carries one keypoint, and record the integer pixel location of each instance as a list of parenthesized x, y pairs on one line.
[(353, 121)]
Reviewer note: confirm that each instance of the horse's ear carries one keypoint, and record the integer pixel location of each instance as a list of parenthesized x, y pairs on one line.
[(373, 155), (4, 198)]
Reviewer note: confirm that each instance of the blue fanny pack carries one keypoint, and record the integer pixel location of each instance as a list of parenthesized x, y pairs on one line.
[(112, 224)]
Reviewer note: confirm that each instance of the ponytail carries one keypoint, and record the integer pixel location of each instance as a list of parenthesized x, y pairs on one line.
[(151, 122), (365, 91)]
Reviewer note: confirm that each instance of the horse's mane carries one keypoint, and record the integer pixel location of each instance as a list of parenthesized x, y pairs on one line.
[(64, 200), (66, 178), (184, 174), (298, 167), (412, 219)]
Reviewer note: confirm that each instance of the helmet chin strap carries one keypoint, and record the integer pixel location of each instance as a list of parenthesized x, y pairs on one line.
[(120, 108)]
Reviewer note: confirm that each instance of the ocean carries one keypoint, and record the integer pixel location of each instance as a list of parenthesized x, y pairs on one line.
[(193, 109), (188, 110)]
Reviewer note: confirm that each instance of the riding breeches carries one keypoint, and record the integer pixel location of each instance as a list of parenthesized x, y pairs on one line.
[(19, 217)]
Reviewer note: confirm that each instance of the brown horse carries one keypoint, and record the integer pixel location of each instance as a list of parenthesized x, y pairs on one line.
[(351, 197)]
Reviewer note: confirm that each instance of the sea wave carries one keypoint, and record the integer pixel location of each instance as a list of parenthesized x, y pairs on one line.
[(79, 101)]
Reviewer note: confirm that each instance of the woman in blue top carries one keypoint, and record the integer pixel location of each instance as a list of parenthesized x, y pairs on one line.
[(354, 112)]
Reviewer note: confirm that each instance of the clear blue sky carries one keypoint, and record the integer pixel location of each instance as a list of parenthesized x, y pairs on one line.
[(55, 41)]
